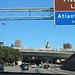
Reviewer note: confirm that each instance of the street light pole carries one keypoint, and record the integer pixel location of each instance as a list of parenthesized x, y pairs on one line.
[(3, 32), (0, 35)]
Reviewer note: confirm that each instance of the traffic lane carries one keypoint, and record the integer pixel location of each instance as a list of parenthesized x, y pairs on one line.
[(18, 69), (31, 70), (65, 71), (55, 71), (49, 71), (36, 71), (11, 69), (61, 71), (43, 71), (39, 70)]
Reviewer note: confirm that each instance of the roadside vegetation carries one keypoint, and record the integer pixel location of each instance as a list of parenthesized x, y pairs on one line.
[(9, 55)]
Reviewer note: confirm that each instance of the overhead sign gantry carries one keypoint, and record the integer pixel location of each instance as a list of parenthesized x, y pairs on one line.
[(26, 14)]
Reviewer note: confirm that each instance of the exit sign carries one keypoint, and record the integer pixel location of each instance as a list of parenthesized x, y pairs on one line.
[(64, 12)]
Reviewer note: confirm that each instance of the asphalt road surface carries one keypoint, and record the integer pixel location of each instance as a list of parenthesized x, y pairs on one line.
[(50, 70)]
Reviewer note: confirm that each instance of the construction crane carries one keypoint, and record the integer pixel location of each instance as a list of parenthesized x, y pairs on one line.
[(26, 14)]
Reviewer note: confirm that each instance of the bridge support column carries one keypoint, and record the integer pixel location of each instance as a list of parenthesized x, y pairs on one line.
[(47, 60)]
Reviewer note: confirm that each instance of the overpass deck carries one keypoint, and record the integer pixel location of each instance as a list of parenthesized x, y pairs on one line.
[(48, 51), (52, 54)]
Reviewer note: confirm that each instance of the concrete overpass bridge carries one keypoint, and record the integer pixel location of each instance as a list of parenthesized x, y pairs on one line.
[(47, 53)]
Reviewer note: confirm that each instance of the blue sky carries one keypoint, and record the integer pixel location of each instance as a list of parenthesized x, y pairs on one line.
[(32, 33)]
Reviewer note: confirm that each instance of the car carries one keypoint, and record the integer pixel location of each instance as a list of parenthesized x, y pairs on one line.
[(1, 68), (41, 66), (25, 67), (34, 66), (21, 65), (46, 66)]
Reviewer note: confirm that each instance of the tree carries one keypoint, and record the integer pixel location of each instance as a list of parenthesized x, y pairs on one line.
[(8, 54), (12, 45)]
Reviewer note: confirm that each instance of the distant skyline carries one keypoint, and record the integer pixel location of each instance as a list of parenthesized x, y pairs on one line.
[(35, 33)]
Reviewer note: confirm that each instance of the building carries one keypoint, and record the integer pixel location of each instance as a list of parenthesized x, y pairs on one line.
[(18, 43), (67, 46), (47, 45), (1, 43)]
